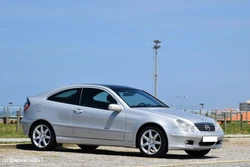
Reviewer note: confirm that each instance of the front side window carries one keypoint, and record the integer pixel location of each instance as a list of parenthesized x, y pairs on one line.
[(139, 98), (96, 98), (70, 96)]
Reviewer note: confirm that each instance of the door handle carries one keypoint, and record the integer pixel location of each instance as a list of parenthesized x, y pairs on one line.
[(77, 111)]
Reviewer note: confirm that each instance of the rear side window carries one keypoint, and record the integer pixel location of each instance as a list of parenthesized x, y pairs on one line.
[(70, 96)]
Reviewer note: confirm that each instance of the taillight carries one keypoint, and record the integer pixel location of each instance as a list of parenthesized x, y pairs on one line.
[(26, 105)]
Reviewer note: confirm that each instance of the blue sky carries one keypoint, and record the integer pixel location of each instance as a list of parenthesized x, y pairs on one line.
[(204, 54)]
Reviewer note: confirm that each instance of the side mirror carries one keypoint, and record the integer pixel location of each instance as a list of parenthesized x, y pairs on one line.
[(115, 107)]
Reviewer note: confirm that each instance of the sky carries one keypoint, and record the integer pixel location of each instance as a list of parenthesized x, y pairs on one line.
[(204, 54)]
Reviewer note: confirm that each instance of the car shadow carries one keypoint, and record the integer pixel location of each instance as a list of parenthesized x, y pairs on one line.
[(113, 153)]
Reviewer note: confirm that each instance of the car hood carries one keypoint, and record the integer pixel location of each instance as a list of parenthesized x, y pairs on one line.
[(178, 114)]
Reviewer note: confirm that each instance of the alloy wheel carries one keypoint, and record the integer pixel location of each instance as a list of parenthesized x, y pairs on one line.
[(41, 136), (150, 142)]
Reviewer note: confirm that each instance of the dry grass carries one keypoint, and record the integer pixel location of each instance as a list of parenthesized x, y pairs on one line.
[(235, 128), (9, 131)]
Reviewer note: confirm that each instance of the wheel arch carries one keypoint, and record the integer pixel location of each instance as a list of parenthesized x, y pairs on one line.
[(146, 125), (40, 121)]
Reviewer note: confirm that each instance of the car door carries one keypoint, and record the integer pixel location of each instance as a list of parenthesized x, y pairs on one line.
[(92, 119), (61, 105)]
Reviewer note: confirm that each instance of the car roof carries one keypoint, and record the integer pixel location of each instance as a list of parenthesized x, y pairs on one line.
[(104, 85), (46, 93), (114, 86)]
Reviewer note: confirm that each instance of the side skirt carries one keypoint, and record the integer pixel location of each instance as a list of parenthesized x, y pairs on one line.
[(79, 140)]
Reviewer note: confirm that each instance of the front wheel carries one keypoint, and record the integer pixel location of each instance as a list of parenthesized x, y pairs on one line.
[(43, 137), (197, 153), (152, 142)]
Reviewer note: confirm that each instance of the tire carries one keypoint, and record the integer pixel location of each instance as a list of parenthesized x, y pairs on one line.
[(43, 137), (197, 153), (87, 147), (152, 142)]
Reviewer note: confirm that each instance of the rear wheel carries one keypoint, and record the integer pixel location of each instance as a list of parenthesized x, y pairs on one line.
[(197, 153), (87, 147), (152, 142), (43, 137)]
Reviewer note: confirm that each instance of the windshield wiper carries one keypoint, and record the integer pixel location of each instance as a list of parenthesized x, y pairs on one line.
[(148, 105), (138, 106)]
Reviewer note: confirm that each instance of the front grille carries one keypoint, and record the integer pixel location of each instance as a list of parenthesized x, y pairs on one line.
[(205, 127)]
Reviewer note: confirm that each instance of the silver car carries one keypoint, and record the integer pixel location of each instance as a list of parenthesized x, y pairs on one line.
[(91, 115)]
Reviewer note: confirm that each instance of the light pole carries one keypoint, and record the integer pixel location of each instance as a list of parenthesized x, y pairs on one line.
[(10, 103), (181, 97), (202, 105), (156, 47)]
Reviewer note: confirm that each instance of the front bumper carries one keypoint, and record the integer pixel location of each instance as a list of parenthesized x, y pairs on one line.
[(180, 140)]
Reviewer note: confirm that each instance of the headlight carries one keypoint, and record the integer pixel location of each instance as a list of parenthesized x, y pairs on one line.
[(217, 127), (185, 126)]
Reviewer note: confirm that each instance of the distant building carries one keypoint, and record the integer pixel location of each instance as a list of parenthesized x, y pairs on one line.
[(245, 106)]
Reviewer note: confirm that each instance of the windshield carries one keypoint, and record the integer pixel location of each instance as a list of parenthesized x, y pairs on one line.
[(139, 98)]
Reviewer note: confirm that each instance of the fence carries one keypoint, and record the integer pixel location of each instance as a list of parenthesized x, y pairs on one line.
[(226, 116), (13, 114), (10, 114), (9, 110), (7, 118)]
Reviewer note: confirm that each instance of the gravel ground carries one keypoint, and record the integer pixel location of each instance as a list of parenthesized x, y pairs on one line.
[(235, 152)]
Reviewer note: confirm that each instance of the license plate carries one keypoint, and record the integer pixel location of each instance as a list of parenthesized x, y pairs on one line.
[(209, 139)]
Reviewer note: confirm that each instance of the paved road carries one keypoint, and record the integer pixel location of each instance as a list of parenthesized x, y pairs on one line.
[(235, 152)]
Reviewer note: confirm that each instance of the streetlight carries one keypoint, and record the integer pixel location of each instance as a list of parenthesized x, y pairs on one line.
[(10, 103), (202, 105), (181, 97), (156, 47)]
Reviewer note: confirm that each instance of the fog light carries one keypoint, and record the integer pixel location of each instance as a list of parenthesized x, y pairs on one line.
[(189, 142), (219, 142)]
